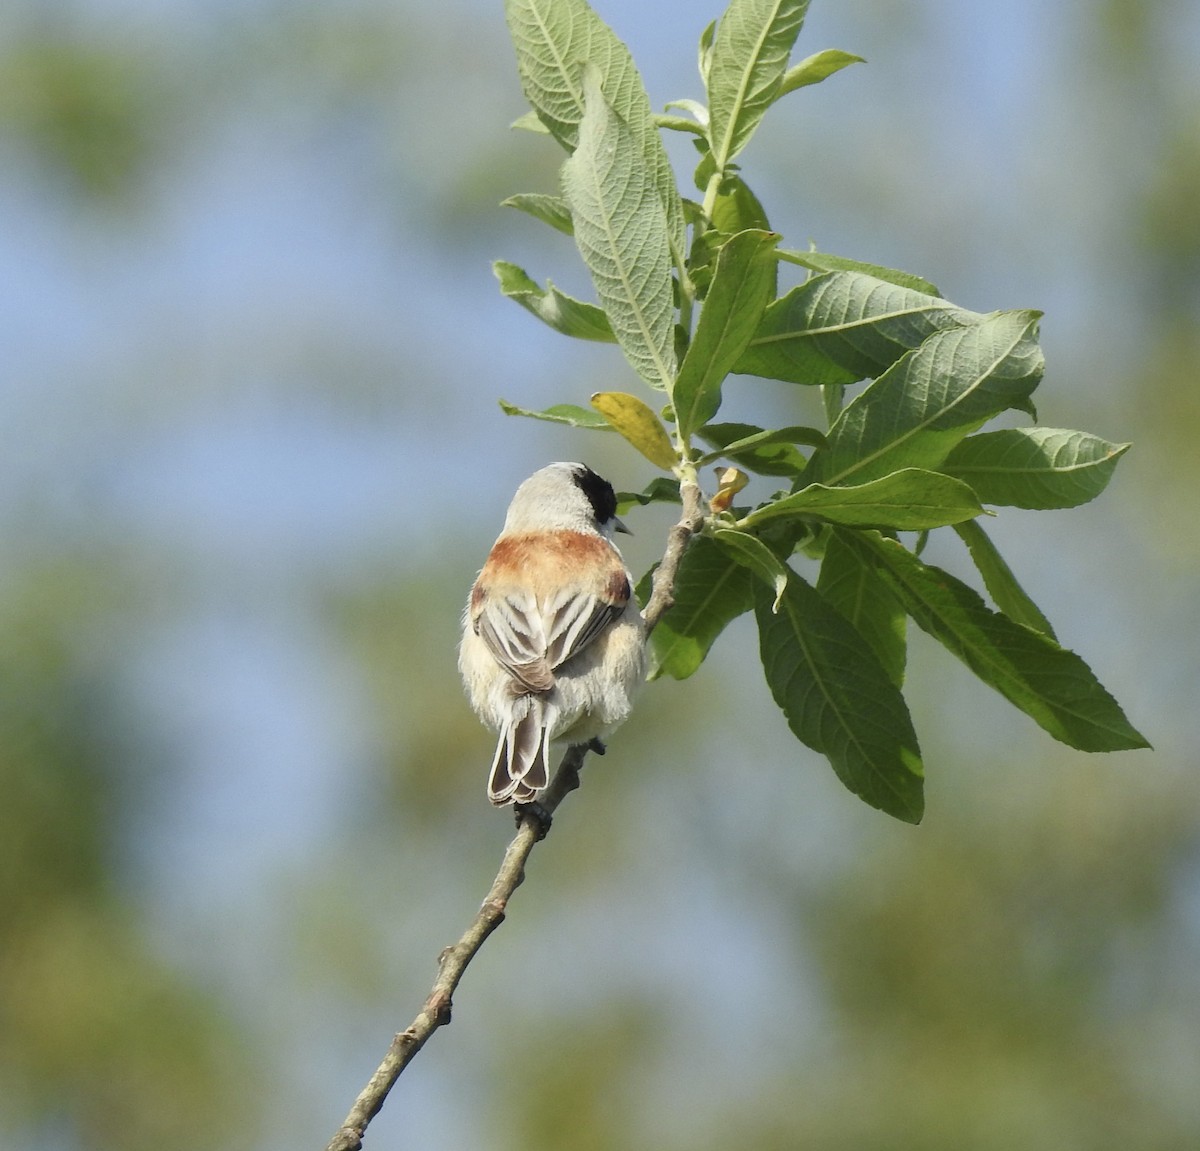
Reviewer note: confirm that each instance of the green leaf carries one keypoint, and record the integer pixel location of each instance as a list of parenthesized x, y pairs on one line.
[(759, 438), (1001, 584), (622, 235), (1035, 467), (706, 169), (636, 421), (840, 327), (699, 111), (813, 69), (1050, 684), (570, 414), (767, 453), (711, 590), (704, 51), (908, 500), (697, 125), (826, 262), (793, 434), (749, 58), (550, 210), (563, 313), (833, 397), (530, 122), (752, 553), (741, 287), (693, 213), (858, 591), (660, 490), (678, 124), (931, 398), (737, 208), (553, 38), (838, 700)]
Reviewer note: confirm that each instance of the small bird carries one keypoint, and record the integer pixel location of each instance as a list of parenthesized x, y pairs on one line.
[(553, 646)]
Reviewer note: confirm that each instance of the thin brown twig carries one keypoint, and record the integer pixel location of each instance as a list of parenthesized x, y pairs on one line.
[(453, 962), (663, 594)]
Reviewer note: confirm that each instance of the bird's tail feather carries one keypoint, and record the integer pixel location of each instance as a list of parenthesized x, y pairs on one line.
[(521, 767)]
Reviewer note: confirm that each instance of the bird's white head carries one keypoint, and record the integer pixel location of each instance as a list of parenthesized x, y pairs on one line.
[(564, 497)]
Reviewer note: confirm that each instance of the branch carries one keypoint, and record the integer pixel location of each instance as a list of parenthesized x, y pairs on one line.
[(662, 596), (452, 963)]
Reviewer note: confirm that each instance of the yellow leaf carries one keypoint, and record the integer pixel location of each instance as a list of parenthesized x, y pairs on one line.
[(730, 481), (636, 421)]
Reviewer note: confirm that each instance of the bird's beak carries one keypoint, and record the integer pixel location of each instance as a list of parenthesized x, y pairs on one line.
[(618, 526)]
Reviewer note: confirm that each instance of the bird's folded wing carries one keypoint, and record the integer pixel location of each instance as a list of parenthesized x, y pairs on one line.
[(512, 628), (532, 643), (572, 620)]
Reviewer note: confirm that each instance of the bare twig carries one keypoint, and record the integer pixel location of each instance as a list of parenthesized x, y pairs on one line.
[(452, 963)]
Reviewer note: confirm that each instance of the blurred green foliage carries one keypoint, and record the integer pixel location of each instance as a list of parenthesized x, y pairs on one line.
[(95, 112), (97, 1031)]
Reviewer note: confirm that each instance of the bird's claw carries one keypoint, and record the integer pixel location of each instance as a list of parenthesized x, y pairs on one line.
[(537, 812)]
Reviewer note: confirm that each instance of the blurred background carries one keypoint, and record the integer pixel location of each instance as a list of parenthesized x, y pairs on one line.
[(250, 459)]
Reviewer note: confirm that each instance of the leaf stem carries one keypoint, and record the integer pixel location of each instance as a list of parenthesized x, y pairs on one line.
[(711, 191)]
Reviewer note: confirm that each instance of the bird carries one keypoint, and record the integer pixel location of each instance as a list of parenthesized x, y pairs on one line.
[(553, 645)]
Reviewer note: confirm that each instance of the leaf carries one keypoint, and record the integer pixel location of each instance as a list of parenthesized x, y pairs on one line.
[(840, 327), (550, 210), (737, 208), (678, 124), (749, 57), (826, 262), (529, 122), (931, 398), (693, 213), (571, 414), (858, 591), (1035, 467), (636, 421), (759, 438), (1049, 683), (660, 490), (730, 481), (563, 313), (1001, 584), (711, 590), (704, 51), (553, 39), (794, 434), (702, 257), (752, 553), (741, 287), (622, 236), (706, 169), (697, 125), (813, 69), (768, 456), (832, 399), (908, 500), (839, 700), (698, 110)]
